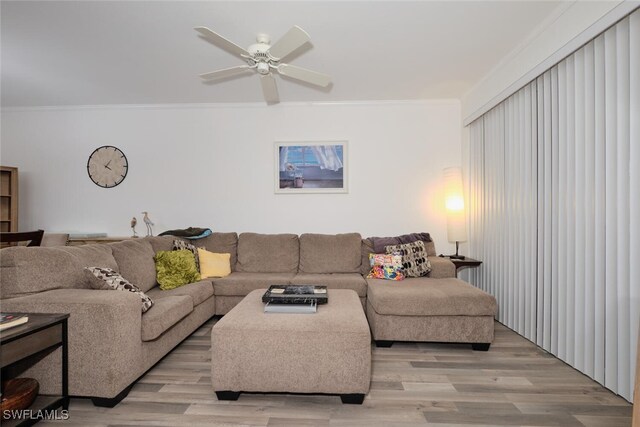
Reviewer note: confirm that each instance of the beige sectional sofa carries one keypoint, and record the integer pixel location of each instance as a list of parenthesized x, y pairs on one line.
[(111, 343)]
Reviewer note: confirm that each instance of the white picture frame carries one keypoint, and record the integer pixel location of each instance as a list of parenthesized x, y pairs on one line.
[(310, 167)]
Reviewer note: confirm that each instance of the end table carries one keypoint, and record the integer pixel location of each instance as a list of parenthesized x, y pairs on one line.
[(464, 263), (41, 334)]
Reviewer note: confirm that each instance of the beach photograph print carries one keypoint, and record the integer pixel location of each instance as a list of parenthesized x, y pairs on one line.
[(311, 167)]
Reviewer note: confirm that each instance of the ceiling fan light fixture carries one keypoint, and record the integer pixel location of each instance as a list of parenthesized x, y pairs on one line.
[(264, 58), (263, 68)]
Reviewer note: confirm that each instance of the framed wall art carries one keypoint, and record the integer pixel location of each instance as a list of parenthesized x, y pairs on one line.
[(311, 167)]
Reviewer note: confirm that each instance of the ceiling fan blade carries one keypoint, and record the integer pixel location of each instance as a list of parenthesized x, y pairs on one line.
[(292, 40), (221, 42), (226, 72), (269, 89), (299, 73)]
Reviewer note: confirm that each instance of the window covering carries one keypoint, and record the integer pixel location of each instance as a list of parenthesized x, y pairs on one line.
[(554, 207)]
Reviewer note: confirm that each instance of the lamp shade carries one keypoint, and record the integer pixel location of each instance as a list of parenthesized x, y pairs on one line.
[(454, 205)]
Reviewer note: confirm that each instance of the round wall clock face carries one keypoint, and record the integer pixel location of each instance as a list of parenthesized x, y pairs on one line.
[(107, 166)]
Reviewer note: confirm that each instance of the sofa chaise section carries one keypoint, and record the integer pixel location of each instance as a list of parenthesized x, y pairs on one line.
[(426, 309)]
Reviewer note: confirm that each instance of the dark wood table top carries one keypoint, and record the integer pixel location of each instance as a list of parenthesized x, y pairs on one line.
[(34, 324)]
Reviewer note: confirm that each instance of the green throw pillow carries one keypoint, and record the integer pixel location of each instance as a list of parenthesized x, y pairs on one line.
[(175, 268)]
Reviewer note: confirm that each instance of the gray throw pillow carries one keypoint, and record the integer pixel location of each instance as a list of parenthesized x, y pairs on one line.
[(108, 279), (414, 258)]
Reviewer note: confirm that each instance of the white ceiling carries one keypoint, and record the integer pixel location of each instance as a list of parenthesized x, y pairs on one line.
[(135, 52)]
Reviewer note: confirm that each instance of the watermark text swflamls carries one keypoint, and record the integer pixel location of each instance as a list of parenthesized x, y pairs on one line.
[(30, 414)]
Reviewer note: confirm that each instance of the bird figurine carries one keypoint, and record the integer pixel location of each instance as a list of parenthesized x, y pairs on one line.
[(148, 223), (134, 222)]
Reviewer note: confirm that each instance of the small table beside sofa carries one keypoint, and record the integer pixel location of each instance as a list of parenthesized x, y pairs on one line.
[(112, 344)]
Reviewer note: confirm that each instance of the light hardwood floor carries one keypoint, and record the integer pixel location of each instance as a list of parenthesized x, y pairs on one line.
[(513, 384)]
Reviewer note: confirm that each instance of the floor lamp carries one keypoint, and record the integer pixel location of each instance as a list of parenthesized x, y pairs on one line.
[(454, 204)]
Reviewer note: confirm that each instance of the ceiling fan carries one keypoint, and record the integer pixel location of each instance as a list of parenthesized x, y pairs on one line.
[(265, 59)]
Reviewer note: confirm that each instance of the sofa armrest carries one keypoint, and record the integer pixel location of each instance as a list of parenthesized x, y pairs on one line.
[(104, 338), (441, 268)]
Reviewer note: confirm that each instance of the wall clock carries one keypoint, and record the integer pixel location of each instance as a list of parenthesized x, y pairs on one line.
[(107, 166)]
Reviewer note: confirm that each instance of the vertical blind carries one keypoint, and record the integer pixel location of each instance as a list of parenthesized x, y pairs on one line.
[(554, 204)]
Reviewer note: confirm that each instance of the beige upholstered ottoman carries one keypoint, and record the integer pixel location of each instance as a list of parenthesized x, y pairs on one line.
[(426, 309), (326, 352)]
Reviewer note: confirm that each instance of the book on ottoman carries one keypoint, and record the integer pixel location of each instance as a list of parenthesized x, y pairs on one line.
[(295, 294), (311, 307)]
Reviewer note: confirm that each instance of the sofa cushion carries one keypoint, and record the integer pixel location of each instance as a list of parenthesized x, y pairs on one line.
[(165, 313), (107, 279), (422, 296), (268, 253), (160, 243), (220, 243), (27, 270), (198, 291), (330, 253), (353, 281), (241, 283), (135, 262), (176, 268)]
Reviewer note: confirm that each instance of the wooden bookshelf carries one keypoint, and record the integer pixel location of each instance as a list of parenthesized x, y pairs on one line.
[(8, 199)]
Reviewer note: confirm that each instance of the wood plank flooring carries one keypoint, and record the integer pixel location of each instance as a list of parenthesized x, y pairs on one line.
[(513, 384)]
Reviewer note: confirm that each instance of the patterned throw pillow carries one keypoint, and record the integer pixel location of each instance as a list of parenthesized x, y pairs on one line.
[(393, 260), (181, 245), (108, 279), (385, 272), (414, 258), (385, 266)]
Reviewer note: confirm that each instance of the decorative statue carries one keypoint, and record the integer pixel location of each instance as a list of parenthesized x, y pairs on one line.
[(148, 223), (134, 221)]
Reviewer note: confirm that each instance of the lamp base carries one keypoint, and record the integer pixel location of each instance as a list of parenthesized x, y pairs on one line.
[(456, 255)]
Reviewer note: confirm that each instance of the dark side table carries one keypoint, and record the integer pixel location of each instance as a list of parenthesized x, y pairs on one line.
[(464, 263), (20, 347)]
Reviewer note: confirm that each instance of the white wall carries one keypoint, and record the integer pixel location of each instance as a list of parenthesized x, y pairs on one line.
[(212, 166), (569, 21)]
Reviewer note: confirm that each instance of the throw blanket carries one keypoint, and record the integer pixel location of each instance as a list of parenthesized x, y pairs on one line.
[(188, 233), (380, 242)]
